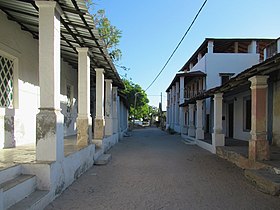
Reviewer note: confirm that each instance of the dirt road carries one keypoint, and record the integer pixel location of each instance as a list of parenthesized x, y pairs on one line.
[(154, 170)]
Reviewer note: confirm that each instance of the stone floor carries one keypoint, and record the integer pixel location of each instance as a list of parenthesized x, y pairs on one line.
[(27, 154)]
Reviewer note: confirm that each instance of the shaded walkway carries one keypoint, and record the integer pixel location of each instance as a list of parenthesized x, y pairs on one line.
[(154, 170)]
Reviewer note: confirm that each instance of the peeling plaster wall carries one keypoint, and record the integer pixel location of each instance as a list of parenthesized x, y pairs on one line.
[(276, 113), (24, 47)]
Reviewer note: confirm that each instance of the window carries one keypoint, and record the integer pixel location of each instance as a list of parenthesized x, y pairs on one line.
[(225, 77), (247, 117), (6, 82)]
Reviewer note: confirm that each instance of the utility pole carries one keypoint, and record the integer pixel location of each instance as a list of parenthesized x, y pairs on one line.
[(161, 122)]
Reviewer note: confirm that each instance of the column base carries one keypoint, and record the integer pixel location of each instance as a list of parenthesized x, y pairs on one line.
[(99, 129), (191, 131), (98, 143), (199, 133), (259, 150), (84, 131), (7, 130), (49, 135), (218, 139), (108, 126)]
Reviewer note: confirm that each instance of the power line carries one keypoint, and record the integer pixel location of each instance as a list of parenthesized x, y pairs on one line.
[(178, 44)]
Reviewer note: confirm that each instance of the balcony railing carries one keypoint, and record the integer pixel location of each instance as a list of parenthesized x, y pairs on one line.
[(190, 94)]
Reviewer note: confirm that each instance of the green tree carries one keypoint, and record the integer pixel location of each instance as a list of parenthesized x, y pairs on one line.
[(138, 107), (109, 33)]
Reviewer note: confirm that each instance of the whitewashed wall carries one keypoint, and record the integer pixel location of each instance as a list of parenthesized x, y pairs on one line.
[(24, 47), (238, 132)]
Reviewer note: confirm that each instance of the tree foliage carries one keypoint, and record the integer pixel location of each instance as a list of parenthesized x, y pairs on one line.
[(109, 33), (132, 91)]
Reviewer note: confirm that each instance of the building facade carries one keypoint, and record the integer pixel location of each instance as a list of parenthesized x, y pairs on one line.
[(219, 60), (60, 101)]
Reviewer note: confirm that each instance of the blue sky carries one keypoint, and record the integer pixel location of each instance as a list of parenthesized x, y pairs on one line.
[(151, 29)]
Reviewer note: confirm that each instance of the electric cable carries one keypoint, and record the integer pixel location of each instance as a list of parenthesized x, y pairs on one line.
[(196, 16)]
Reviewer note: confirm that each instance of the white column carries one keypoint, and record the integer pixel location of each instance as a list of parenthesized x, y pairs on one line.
[(167, 110), (199, 124), (278, 45), (84, 120), (49, 121), (182, 100), (210, 47), (199, 56), (99, 121), (108, 108), (173, 107), (190, 66), (115, 110), (191, 129), (218, 138), (177, 103), (119, 115)]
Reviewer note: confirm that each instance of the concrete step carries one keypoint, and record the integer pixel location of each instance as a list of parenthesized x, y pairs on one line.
[(17, 189), (34, 201), (238, 159), (103, 159), (265, 180), (9, 173)]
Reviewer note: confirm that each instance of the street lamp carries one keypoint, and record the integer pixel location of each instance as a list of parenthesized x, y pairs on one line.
[(135, 98)]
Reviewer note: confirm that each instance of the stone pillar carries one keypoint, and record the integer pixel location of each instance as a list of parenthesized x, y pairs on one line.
[(182, 100), (199, 125), (84, 120), (173, 107), (199, 56), (49, 121), (99, 121), (191, 128), (218, 138), (278, 45), (108, 108), (115, 110), (210, 47), (119, 114), (177, 89), (259, 145), (7, 124), (253, 47)]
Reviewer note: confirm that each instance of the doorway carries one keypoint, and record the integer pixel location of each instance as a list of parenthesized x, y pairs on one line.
[(230, 119)]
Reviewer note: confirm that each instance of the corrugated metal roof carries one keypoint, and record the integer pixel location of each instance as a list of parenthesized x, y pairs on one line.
[(77, 30)]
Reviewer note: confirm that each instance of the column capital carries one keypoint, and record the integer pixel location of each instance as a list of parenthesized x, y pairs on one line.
[(100, 70), (218, 96), (49, 4), (191, 106), (108, 80), (82, 49), (258, 81), (199, 102)]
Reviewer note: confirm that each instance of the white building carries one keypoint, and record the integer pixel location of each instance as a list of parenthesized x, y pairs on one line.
[(60, 106), (216, 61)]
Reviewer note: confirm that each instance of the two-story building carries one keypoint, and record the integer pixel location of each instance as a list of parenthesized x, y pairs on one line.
[(246, 107), (213, 64)]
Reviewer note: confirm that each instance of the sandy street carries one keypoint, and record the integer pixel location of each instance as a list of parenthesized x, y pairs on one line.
[(155, 170)]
